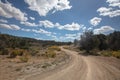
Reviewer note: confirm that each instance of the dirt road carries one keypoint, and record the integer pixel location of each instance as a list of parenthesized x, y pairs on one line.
[(82, 68)]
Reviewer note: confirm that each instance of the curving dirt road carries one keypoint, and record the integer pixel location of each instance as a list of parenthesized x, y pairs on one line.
[(82, 68)]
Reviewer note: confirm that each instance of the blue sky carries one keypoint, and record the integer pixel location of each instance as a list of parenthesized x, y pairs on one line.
[(59, 20)]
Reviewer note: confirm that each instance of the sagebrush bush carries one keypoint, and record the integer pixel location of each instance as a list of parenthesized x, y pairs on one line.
[(54, 48), (106, 53), (33, 52), (116, 54), (111, 53), (15, 53), (50, 54), (24, 59)]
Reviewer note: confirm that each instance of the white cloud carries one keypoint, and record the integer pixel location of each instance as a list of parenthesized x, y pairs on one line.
[(5, 26), (32, 18), (3, 21), (114, 3), (39, 38), (108, 12), (29, 24), (9, 11), (103, 29), (26, 30), (47, 24), (90, 28), (15, 27), (42, 31), (95, 21), (11, 26), (62, 5), (84, 29), (71, 27), (45, 6), (113, 9), (70, 37)]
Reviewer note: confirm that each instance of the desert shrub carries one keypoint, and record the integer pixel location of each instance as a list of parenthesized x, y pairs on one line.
[(15, 53), (54, 48), (106, 53), (94, 52), (116, 54), (33, 52), (66, 47), (24, 59), (4, 52), (111, 53), (50, 54)]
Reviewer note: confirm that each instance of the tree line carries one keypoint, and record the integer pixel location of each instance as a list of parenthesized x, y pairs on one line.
[(89, 41), (9, 43)]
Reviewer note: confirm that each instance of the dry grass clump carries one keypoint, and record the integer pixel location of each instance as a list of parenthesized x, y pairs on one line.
[(16, 52), (106, 53), (50, 54), (54, 48), (66, 47), (116, 54), (51, 51), (24, 59), (111, 53)]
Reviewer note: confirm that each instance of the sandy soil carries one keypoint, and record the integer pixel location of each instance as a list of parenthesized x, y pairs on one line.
[(13, 69), (83, 68)]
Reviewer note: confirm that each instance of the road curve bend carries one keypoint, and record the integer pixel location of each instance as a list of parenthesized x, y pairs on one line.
[(81, 68)]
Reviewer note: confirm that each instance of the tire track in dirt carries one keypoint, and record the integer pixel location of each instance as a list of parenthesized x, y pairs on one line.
[(80, 68)]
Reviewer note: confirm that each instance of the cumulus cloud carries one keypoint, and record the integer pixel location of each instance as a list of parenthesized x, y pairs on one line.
[(45, 6), (70, 37), (47, 24), (41, 31), (108, 12), (103, 29), (112, 10), (95, 21), (29, 24), (3, 21), (71, 27), (11, 26), (114, 3), (9, 11), (32, 18)]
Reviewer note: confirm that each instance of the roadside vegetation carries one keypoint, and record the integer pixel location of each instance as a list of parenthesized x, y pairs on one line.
[(51, 51), (24, 48), (99, 44)]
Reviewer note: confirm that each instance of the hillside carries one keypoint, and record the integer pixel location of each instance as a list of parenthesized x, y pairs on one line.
[(9, 41), (21, 56)]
